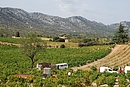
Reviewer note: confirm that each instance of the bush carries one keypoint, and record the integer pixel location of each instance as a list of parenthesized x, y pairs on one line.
[(62, 46), (91, 43), (81, 45), (93, 68), (57, 39)]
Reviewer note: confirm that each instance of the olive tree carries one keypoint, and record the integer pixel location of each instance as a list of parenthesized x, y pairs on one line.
[(31, 46)]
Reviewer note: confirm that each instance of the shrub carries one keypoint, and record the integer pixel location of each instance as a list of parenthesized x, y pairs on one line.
[(62, 46), (93, 68), (81, 45), (91, 43), (17, 34), (57, 39)]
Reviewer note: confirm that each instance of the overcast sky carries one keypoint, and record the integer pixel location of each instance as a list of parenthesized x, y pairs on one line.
[(104, 11)]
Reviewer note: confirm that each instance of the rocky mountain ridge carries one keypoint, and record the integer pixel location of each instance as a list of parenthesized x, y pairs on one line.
[(14, 19)]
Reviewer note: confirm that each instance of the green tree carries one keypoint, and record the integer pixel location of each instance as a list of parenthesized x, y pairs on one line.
[(57, 39), (17, 34), (31, 46), (62, 46), (121, 36)]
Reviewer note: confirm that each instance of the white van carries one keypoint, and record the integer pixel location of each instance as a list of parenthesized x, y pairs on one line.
[(127, 68), (62, 66), (103, 69), (106, 69)]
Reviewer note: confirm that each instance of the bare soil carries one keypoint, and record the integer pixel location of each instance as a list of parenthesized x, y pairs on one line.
[(6, 43)]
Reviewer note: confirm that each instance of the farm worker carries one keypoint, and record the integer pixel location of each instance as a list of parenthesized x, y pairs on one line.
[(69, 73), (58, 67), (120, 70), (98, 69)]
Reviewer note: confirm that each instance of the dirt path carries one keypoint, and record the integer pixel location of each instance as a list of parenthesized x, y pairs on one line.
[(119, 56), (6, 43)]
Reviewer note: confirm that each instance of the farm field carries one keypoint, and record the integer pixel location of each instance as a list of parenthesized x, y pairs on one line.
[(49, 44), (12, 62), (10, 40), (119, 57), (12, 57)]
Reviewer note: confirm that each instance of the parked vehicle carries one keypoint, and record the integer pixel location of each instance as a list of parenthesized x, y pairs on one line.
[(41, 66), (127, 68), (107, 69), (62, 66)]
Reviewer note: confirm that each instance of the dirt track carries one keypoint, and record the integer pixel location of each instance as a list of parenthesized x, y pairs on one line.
[(119, 57), (6, 43)]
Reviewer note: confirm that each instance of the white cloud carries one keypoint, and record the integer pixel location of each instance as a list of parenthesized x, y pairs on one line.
[(73, 7), (65, 8)]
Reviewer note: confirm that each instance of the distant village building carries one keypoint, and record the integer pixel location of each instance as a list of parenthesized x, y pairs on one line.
[(66, 40), (64, 37)]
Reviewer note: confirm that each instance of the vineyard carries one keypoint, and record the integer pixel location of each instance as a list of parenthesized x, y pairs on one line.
[(13, 61), (119, 57), (12, 55)]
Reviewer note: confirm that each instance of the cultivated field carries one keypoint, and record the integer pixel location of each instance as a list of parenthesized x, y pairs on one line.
[(119, 57), (12, 62)]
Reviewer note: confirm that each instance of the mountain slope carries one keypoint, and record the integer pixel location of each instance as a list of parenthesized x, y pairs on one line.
[(13, 19)]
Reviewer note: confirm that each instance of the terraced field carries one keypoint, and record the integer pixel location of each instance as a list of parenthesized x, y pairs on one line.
[(119, 57)]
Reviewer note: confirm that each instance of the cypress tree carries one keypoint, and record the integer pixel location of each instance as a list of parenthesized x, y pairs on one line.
[(121, 36)]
